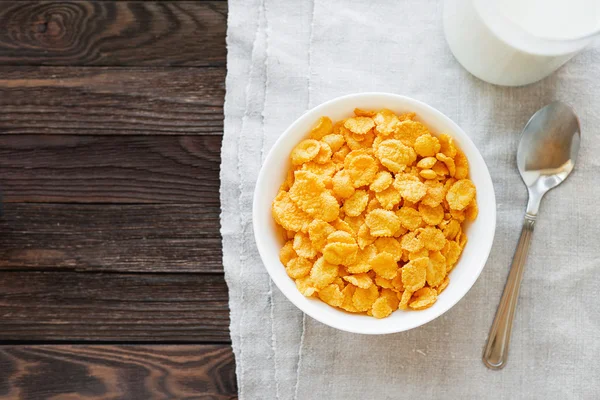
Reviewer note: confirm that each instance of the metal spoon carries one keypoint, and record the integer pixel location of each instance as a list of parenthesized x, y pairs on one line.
[(546, 156)]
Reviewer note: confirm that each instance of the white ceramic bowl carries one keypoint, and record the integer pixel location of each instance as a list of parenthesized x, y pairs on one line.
[(269, 241)]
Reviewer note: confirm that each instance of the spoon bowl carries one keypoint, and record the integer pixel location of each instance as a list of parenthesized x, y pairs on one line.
[(548, 150), (545, 158)]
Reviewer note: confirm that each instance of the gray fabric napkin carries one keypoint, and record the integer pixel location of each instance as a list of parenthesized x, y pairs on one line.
[(285, 57)]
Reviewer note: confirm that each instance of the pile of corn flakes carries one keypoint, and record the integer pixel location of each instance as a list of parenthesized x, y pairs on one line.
[(373, 208)]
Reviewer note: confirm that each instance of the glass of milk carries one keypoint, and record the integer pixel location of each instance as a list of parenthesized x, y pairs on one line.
[(516, 42)]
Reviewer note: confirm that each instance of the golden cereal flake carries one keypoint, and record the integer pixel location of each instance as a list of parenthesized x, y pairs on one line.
[(361, 280), (404, 299), (431, 215), (389, 198), (462, 165), (449, 162), (364, 236), (414, 274), (324, 154), (298, 267), (318, 230), (382, 181), (306, 286), (389, 245), (359, 125), (382, 222), (363, 299), (435, 193), (323, 127), (432, 238), (347, 303), (305, 151), (287, 214), (363, 113), (287, 253), (436, 270), (386, 122), (452, 252), (356, 204), (427, 162), (303, 245), (427, 145), (408, 131), (381, 308), (343, 186), (332, 295), (385, 265), (323, 273), (461, 194), (362, 170), (394, 155), (410, 190), (411, 242), (363, 260), (335, 141), (439, 289), (447, 145), (428, 174), (423, 298), (410, 218), (340, 253)]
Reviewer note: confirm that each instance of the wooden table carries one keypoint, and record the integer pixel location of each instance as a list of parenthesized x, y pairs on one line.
[(111, 280)]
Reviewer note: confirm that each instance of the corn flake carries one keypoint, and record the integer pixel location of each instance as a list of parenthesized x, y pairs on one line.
[(382, 181), (359, 125), (436, 269), (303, 245), (361, 280), (461, 194), (411, 190), (388, 198), (390, 246), (410, 218), (287, 253), (323, 127), (332, 295), (298, 267), (363, 299), (363, 260), (427, 145), (356, 204), (323, 273), (382, 222), (386, 122), (431, 215), (287, 214), (385, 265), (394, 155), (423, 298), (305, 151), (414, 274)]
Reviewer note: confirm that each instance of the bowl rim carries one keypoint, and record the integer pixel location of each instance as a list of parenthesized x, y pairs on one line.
[(263, 175)]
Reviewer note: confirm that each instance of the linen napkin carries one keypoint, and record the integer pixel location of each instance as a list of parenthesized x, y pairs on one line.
[(285, 57)]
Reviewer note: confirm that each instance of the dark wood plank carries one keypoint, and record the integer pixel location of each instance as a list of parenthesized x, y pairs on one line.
[(111, 101), (105, 169), (115, 238), (113, 307), (129, 33), (117, 372)]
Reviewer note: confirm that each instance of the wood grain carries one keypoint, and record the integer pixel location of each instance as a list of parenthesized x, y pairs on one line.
[(114, 238), (39, 306), (117, 372), (129, 33), (105, 169), (111, 101)]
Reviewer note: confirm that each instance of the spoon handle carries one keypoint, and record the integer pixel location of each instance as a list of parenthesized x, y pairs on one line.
[(496, 350)]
